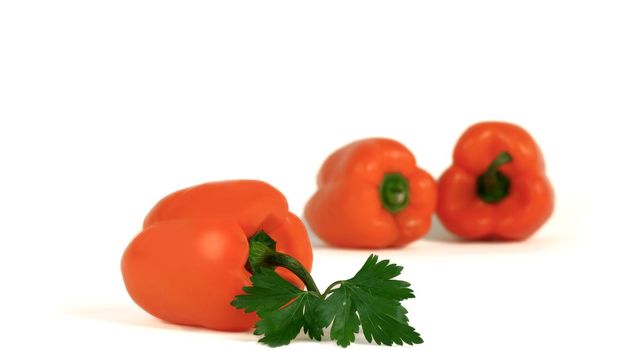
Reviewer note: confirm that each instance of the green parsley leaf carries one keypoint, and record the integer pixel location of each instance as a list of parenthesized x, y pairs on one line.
[(377, 278), (371, 299), (268, 292), (314, 322), (280, 325), (339, 309)]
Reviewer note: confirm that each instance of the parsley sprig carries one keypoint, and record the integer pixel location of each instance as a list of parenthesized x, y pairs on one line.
[(370, 300)]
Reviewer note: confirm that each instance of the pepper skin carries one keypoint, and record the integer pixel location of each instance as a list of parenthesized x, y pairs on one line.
[(188, 262), (496, 187), (371, 194)]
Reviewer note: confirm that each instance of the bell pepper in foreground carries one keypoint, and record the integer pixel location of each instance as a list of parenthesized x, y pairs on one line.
[(371, 194), (190, 260), (496, 187)]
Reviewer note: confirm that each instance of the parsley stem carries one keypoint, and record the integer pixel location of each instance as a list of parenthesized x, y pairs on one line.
[(293, 265), (330, 288)]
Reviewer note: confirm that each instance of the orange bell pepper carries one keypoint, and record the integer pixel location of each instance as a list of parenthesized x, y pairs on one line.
[(189, 261), (496, 187), (371, 194)]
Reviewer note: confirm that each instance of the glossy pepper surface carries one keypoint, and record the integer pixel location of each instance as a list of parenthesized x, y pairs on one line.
[(189, 261), (371, 194), (496, 187)]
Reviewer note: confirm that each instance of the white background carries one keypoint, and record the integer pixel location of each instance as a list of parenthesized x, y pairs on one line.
[(106, 106)]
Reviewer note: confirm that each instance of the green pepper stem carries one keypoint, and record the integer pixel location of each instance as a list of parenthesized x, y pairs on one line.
[(394, 192), (501, 159), (293, 265), (493, 185), (263, 255)]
